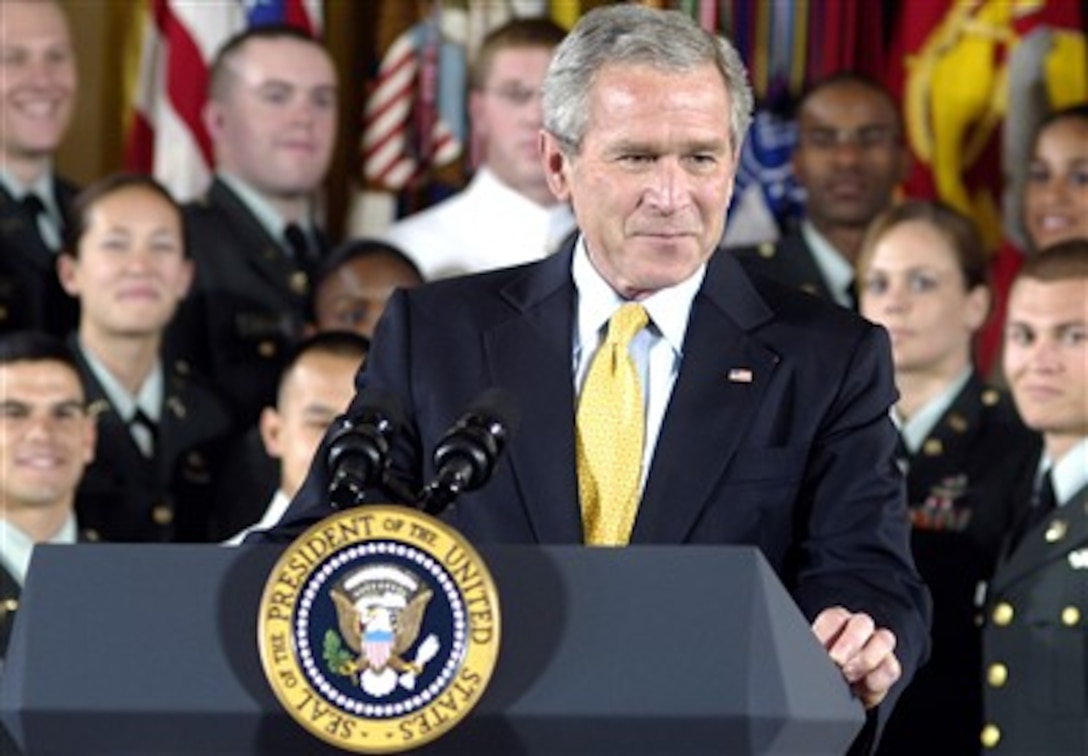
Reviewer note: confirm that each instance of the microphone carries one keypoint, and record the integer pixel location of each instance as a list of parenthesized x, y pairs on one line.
[(466, 455), (359, 448)]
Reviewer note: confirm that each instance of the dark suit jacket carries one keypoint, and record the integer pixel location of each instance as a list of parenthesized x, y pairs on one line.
[(1035, 640), (247, 307), (125, 496), (798, 461), (30, 293), (789, 261), (962, 492)]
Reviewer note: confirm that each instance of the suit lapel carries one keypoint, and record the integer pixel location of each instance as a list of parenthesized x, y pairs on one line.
[(801, 262), (1069, 522), (20, 238), (262, 252), (722, 379), (531, 356)]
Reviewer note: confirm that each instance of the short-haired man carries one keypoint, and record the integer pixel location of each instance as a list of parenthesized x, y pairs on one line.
[(1036, 618), (38, 83), (315, 388), (666, 395), (506, 215), (47, 438), (849, 158), (271, 115)]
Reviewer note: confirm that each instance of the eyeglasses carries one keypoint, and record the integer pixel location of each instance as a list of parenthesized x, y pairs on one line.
[(515, 95), (866, 137)]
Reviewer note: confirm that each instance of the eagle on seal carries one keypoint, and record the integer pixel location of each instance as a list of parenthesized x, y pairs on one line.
[(379, 614)]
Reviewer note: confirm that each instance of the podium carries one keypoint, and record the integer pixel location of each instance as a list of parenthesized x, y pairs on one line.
[(151, 649)]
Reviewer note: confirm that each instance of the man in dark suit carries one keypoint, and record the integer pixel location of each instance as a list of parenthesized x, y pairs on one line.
[(849, 158), (766, 412), (272, 118), (37, 93), (1036, 617)]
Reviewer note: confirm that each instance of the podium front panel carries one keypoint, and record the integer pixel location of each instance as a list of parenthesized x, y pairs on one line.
[(150, 649)]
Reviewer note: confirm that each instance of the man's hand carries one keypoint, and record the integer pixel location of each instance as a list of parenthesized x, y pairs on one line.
[(864, 652)]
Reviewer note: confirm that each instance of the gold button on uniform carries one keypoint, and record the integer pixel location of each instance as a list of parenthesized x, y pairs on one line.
[(298, 283), (1056, 531), (162, 514), (266, 349), (1070, 616), (933, 447), (9, 605), (990, 736), (1003, 614), (997, 675)]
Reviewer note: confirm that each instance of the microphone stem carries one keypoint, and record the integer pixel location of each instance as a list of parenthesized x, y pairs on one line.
[(440, 493)]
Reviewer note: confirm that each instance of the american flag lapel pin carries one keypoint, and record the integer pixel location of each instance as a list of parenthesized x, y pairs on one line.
[(740, 375)]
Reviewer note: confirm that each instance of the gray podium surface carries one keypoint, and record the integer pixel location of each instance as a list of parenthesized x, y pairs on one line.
[(141, 649)]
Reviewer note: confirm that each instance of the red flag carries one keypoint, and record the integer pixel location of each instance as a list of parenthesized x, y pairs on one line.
[(178, 42)]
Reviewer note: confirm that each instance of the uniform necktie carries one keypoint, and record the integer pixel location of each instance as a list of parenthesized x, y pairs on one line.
[(611, 431), (851, 294), (1043, 502), (297, 243), (34, 206), (143, 430)]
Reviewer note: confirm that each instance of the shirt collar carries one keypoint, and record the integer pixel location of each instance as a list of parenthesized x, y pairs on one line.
[(916, 429), (669, 309), (43, 187), (265, 214), (837, 272), (16, 546), (1069, 474), (149, 398)]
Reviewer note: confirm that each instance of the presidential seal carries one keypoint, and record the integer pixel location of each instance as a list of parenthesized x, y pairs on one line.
[(379, 629)]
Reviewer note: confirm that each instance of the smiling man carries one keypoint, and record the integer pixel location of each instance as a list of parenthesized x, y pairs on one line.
[(38, 83), (271, 114), (666, 396), (849, 158), (46, 440)]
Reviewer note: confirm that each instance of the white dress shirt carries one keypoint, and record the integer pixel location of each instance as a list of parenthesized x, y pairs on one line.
[(657, 349), (16, 546), (486, 225), (272, 514)]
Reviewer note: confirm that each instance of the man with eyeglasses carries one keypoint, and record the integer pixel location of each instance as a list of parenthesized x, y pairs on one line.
[(849, 158), (506, 215)]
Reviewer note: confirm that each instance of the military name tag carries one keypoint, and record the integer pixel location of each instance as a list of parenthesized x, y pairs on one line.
[(379, 629)]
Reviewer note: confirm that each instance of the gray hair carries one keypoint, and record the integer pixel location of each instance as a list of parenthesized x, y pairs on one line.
[(636, 35)]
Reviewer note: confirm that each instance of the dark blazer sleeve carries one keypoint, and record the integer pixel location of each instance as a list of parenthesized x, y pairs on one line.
[(857, 554)]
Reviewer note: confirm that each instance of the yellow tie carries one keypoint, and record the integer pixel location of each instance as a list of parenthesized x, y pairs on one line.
[(611, 429)]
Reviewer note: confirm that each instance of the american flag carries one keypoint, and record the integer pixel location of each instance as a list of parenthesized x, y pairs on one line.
[(179, 39)]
